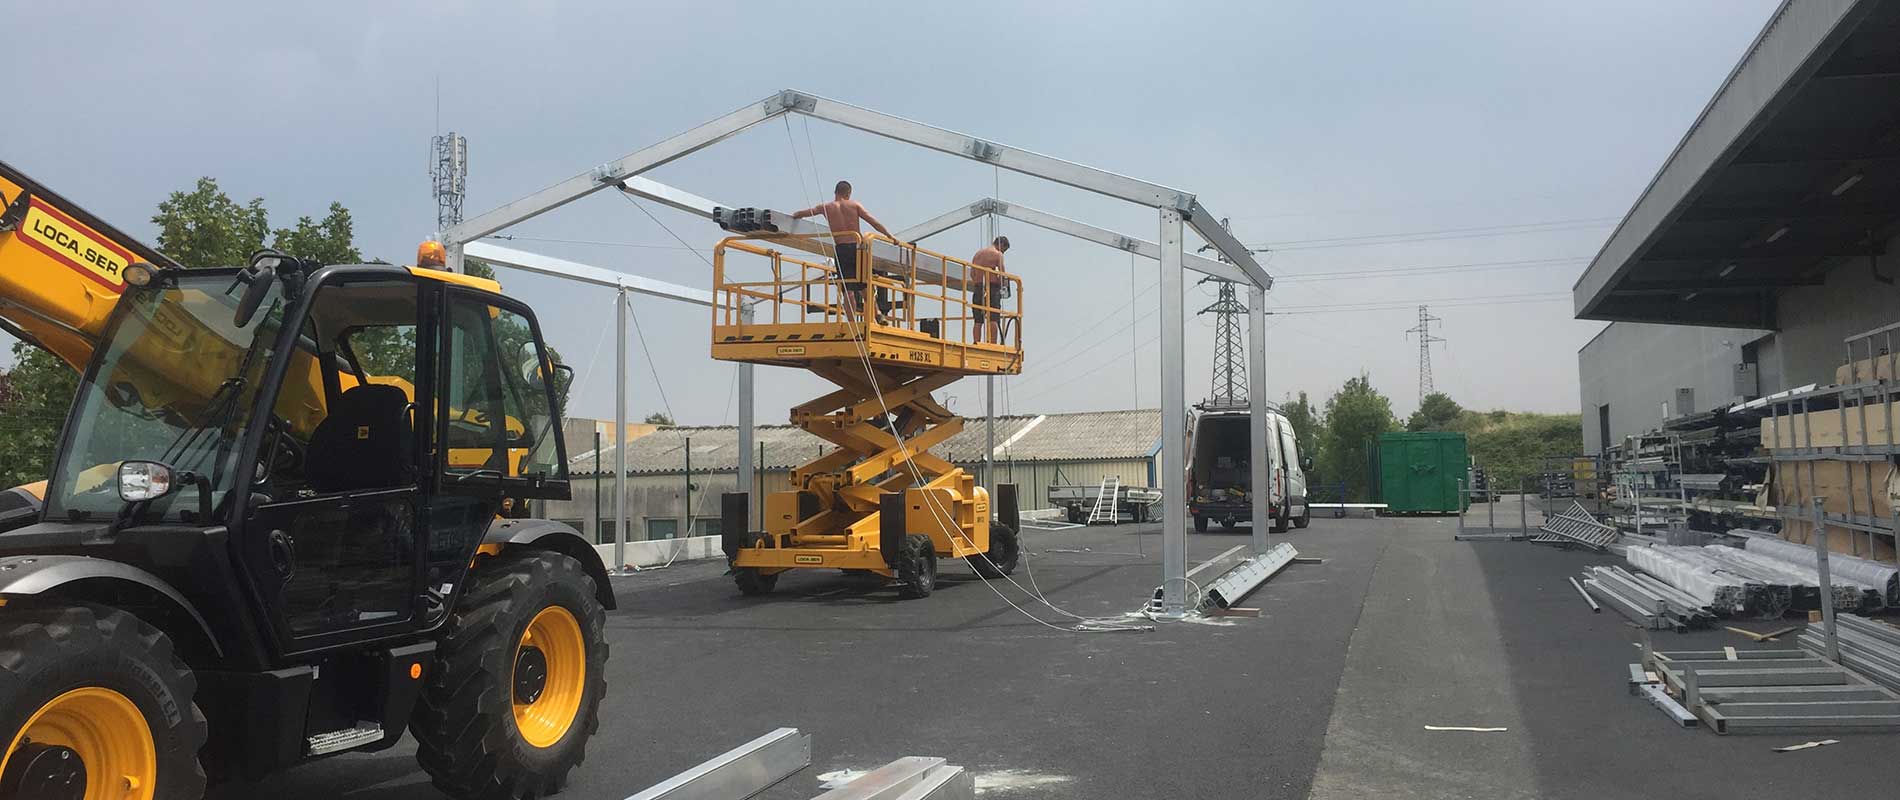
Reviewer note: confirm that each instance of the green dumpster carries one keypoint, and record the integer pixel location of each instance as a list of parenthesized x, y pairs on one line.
[(1419, 473)]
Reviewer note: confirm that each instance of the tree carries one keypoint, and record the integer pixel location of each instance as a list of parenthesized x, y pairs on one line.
[(332, 241), (206, 228), (1437, 412), (33, 405), (658, 418), (1355, 416), (1305, 425)]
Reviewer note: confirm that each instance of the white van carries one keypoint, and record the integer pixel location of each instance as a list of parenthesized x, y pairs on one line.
[(1220, 477)]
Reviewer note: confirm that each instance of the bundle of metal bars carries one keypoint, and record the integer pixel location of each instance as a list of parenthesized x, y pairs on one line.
[(1723, 591), (1576, 525), (1871, 649), (1771, 586), (1848, 594), (1883, 577), (1646, 600)]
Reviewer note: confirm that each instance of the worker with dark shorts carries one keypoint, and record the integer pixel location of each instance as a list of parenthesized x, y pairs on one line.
[(986, 290), (843, 215)]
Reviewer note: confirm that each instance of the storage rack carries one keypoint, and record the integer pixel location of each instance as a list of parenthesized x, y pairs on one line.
[(1864, 401)]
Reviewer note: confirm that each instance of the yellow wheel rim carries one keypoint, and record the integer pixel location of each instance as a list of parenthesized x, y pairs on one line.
[(109, 735), (550, 675)]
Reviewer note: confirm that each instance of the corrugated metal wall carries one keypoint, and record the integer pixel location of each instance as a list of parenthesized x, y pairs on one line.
[(653, 500), (1033, 479)]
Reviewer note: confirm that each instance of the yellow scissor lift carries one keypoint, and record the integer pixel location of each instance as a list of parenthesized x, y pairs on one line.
[(881, 502)]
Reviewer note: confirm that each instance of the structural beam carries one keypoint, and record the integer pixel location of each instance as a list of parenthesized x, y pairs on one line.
[(996, 154), (1257, 404), (744, 476), (605, 175), (1173, 420), (1208, 226), (620, 428), (572, 270), (1064, 225), (999, 155)]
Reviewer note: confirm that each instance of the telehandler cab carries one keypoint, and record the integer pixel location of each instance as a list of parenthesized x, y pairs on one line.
[(285, 521)]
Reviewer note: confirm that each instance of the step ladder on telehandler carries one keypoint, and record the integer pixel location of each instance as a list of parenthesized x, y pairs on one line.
[(881, 502), (1107, 505)]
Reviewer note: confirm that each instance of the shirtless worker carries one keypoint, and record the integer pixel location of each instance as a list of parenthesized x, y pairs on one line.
[(843, 215), (983, 291)]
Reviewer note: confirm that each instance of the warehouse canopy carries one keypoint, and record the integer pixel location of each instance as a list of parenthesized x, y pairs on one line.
[(1792, 170)]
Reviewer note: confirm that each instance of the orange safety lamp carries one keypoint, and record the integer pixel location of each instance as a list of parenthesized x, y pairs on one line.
[(432, 254)]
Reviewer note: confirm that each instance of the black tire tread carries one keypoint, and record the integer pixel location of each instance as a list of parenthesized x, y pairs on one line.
[(39, 639), (464, 723), (1004, 553)]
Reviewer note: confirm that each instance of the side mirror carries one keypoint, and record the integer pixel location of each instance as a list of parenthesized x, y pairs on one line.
[(1306, 463), (143, 481), (261, 275), (562, 374)]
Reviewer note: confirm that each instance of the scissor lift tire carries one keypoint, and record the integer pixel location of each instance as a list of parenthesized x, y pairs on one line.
[(917, 574), (1005, 551)]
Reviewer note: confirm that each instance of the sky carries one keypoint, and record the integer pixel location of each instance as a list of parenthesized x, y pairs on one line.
[(1470, 157)]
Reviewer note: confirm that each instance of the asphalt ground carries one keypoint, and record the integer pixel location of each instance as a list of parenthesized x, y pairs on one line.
[(1326, 694)]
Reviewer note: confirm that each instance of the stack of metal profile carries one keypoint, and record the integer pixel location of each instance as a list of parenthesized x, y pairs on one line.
[(1687, 570), (1647, 601), (1871, 649), (1770, 691), (1576, 525)]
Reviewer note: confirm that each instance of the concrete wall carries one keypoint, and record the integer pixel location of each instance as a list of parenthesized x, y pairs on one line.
[(1636, 367), (1814, 319)]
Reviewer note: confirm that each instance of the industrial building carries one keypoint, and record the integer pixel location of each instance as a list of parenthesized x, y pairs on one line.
[(1034, 451), (1767, 237)]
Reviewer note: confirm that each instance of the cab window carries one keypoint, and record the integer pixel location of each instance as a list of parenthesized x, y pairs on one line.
[(497, 407)]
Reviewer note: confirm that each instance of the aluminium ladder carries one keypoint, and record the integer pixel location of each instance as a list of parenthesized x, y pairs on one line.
[(1106, 502)]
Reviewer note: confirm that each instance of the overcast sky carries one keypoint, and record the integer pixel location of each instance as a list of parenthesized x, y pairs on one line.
[(1485, 148)]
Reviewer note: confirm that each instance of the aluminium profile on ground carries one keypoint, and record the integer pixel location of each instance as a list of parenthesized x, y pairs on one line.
[(909, 778), (739, 773), (1648, 617), (1235, 584)]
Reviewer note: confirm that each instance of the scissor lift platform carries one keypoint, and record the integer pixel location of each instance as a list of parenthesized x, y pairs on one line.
[(881, 502)]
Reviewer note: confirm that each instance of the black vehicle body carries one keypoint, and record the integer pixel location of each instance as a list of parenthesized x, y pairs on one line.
[(219, 586)]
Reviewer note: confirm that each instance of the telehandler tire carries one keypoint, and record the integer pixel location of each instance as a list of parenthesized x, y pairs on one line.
[(917, 576), (93, 703), (520, 672), (1005, 551)]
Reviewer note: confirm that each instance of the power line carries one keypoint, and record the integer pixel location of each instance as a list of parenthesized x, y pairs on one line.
[(1432, 269), (514, 236), (1501, 300), (1444, 233)]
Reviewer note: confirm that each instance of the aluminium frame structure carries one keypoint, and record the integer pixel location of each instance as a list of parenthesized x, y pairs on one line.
[(1174, 208)]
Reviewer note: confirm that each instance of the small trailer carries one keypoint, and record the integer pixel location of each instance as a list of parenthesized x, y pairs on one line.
[(1080, 501)]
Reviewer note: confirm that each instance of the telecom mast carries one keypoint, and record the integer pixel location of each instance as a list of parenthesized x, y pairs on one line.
[(448, 172)]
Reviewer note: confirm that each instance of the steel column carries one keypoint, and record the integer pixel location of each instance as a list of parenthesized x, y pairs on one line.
[(989, 383), (742, 477), (1257, 403), (620, 428), (1173, 421), (1827, 581)]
